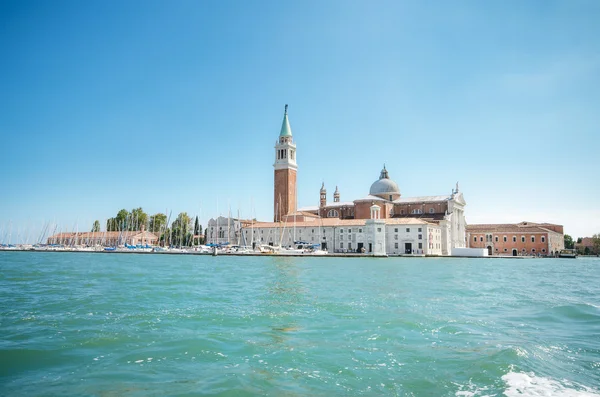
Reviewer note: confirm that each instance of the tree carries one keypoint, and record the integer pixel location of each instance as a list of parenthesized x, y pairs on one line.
[(165, 238), (111, 225), (197, 232), (181, 230), (138, 219), (569, 244), (197, 227), (596, 243), (121, 220), (157, 222), (96, 227)]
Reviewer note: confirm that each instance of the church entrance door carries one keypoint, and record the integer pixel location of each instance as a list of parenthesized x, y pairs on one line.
[(489, 248), (514, 252)]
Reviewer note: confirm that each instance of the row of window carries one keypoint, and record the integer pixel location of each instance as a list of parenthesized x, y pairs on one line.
[(341, 231), (488, 238), (420, 230), (420, 245), (336, 214), (523, 250), (408, 230), (415, 211), (396, 237), (282, 154)]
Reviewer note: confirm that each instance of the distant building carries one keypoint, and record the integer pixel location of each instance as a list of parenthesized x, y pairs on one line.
[(223, 230), (525, 238), (379, 236), (587, 243), (106, 239)]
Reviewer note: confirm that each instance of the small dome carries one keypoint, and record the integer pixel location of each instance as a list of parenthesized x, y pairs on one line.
[(384, 187)]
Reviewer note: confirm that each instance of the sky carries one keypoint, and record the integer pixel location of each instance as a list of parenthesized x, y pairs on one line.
[(176, 106)]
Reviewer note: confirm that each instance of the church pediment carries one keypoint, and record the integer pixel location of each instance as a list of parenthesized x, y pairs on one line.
[(458, 198)]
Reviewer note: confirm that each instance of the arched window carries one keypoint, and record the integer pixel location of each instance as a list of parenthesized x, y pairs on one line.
[(333, 214)]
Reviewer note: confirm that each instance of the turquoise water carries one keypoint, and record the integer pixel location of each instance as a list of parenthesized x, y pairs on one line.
[(139, 325)]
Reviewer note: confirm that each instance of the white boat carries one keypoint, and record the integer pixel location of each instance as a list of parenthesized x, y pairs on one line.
[(292, 251), (267, 249), (567, 253)]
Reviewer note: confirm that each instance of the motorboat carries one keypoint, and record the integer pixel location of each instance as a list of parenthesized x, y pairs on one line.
[(567, 253)]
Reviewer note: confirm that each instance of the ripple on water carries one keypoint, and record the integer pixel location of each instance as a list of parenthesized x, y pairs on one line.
[(156, 325)]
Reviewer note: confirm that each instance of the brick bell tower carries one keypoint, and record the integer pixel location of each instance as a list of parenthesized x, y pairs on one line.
[(285, 172)]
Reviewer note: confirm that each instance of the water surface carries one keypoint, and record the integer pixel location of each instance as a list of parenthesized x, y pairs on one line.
[(138, 325)]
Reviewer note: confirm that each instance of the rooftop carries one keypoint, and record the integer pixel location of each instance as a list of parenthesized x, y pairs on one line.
[(329, 222), (426, 199)]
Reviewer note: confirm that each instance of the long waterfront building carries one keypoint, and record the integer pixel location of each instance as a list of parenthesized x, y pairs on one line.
[(518, 239)]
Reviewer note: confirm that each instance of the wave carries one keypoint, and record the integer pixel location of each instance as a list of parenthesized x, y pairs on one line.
[(528, 384), (577, 312)]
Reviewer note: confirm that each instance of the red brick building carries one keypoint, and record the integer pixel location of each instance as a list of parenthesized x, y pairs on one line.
[(525, 238), (285, 194)]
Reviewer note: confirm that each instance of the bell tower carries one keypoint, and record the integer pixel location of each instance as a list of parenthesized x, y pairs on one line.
[(285, 172), (322, 196)]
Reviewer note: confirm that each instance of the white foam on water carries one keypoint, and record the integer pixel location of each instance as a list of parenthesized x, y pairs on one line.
[(528, 384), (521, 352), (473, 390)]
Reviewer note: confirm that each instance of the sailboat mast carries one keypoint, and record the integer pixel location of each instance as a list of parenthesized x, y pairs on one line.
[(252, 225), (228, 225)]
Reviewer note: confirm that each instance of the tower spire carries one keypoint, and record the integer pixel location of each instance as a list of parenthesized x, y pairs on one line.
[(336, 195), (286, 130)]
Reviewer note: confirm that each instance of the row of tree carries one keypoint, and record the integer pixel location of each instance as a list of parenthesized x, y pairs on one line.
[(180, 233), (584, 249)]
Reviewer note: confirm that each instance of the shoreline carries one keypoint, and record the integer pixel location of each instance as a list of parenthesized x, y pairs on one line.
[(332, 255)]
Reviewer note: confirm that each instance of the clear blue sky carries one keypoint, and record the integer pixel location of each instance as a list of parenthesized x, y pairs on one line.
[(177, 105)]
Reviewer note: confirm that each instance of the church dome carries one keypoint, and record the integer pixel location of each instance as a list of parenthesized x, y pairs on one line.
[(384, 187)]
